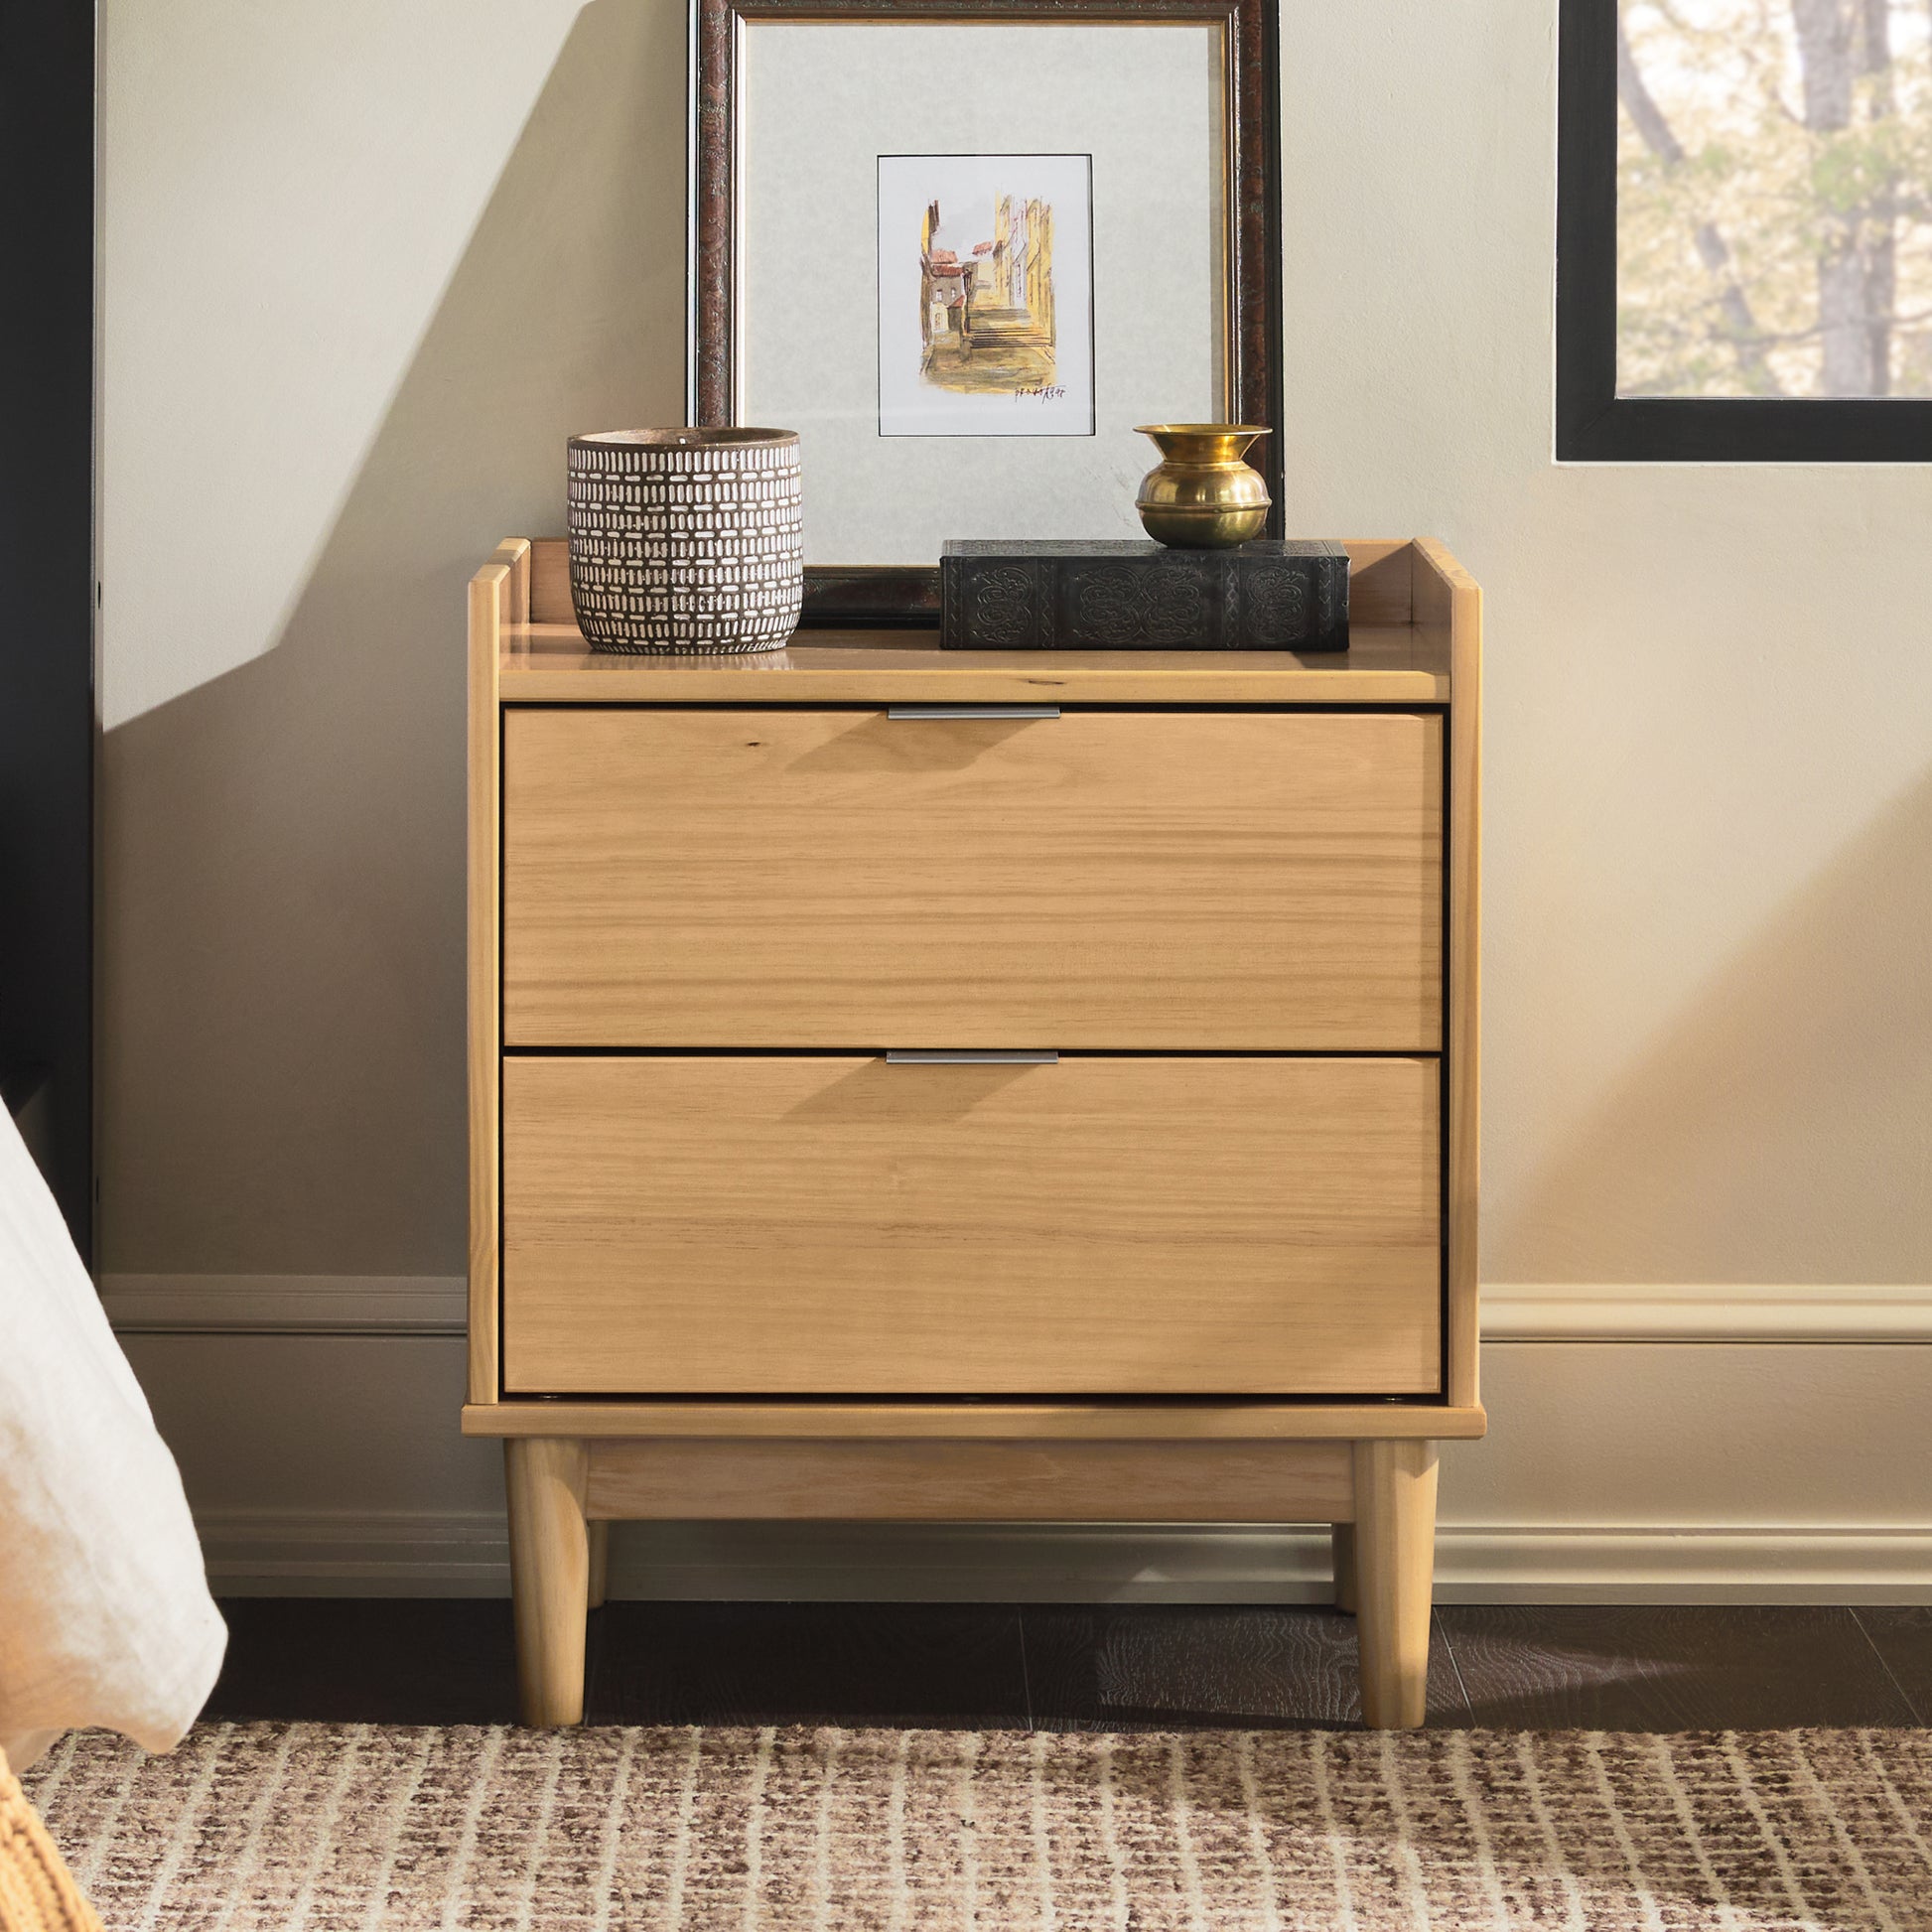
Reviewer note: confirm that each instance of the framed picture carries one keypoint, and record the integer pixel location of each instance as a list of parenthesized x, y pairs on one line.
[(963, 247)]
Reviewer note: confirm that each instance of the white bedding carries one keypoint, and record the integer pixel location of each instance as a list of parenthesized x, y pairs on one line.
[(106, 1616)]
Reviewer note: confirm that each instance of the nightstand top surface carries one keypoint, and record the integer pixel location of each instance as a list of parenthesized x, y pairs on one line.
[(1398, 664)]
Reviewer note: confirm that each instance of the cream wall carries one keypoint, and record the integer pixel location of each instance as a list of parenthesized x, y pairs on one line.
[(366, 266), (1708, 1023)]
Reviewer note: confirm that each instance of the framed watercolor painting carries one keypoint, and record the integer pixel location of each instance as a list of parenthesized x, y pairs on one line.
[(964, 247), (986, 295)]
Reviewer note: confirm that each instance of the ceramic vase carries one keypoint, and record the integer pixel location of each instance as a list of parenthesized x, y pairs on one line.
[(686, 541)]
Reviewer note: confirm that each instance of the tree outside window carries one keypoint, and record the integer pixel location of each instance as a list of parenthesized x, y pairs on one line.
[(1774, 199)]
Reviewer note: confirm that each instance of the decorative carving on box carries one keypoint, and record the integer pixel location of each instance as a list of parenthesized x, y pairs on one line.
[(686, 541), (1274, 595), (1006, 599)]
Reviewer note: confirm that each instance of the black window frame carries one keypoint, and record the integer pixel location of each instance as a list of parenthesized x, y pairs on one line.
[(47, 728), (1594, 423)]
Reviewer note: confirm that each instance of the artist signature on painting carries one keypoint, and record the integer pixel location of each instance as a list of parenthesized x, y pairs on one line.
[(1046, 391)]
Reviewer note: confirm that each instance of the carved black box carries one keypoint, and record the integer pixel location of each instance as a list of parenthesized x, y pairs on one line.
[(1269, 594)]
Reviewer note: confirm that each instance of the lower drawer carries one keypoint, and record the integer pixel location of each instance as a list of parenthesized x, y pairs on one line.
[(843, 1225)]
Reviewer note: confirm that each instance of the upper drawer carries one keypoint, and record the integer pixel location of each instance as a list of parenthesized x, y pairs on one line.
[(1133, 879)]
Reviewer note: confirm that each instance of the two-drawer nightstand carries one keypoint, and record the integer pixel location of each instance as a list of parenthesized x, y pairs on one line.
[(915, 1084)]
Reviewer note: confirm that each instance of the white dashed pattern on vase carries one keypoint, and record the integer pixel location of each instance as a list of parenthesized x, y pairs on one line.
[(687, 541)]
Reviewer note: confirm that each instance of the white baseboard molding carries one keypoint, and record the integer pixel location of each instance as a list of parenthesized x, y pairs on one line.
[(1594, 1563), (347, 1552), (284, 1304), (433, 1305), (1728, 1311), (316, 1553)]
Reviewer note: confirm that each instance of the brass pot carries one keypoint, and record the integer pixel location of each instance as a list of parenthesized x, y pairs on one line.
[(1203, 495)]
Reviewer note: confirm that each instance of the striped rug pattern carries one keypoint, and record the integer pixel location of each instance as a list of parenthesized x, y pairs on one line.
[(323, 1828)]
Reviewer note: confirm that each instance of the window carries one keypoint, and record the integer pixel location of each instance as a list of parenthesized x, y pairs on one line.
[(1744, 230)]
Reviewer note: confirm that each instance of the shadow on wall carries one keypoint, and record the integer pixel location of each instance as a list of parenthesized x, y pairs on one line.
[(283, 848), (1782, 1130)]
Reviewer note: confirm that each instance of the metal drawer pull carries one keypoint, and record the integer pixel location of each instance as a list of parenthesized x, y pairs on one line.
[(972, 1060), (973, 711)]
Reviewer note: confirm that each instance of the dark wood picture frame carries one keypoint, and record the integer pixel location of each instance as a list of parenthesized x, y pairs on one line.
[(902, 595), (1594, 423)]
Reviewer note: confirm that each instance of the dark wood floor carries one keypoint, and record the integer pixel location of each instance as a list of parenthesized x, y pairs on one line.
[(1083, 1667)]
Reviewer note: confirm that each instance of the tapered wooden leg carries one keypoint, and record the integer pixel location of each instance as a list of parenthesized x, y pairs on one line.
[(1395, 1568), (550, 1574), (1343, 1536), (599, 1561)]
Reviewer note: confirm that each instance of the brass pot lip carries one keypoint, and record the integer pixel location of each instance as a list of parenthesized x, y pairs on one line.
[(1201, 429), (683, 439)]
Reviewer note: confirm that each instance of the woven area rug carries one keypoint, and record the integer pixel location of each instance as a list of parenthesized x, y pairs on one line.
[(307, 1827)]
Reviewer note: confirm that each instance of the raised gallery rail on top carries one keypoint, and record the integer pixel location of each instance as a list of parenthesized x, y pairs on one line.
[(1396, 657)]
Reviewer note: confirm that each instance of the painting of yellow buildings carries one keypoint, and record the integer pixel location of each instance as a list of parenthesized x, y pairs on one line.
[(985, 308), (986, 295)]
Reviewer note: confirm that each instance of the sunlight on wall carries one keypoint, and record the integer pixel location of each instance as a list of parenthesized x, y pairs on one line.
[(289, 190)]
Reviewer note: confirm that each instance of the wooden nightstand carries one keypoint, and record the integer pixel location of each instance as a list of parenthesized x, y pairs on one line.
[(919, 1084)]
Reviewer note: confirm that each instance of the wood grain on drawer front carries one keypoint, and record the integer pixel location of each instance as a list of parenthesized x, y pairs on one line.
[(1176, 881), (831, 1224)]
